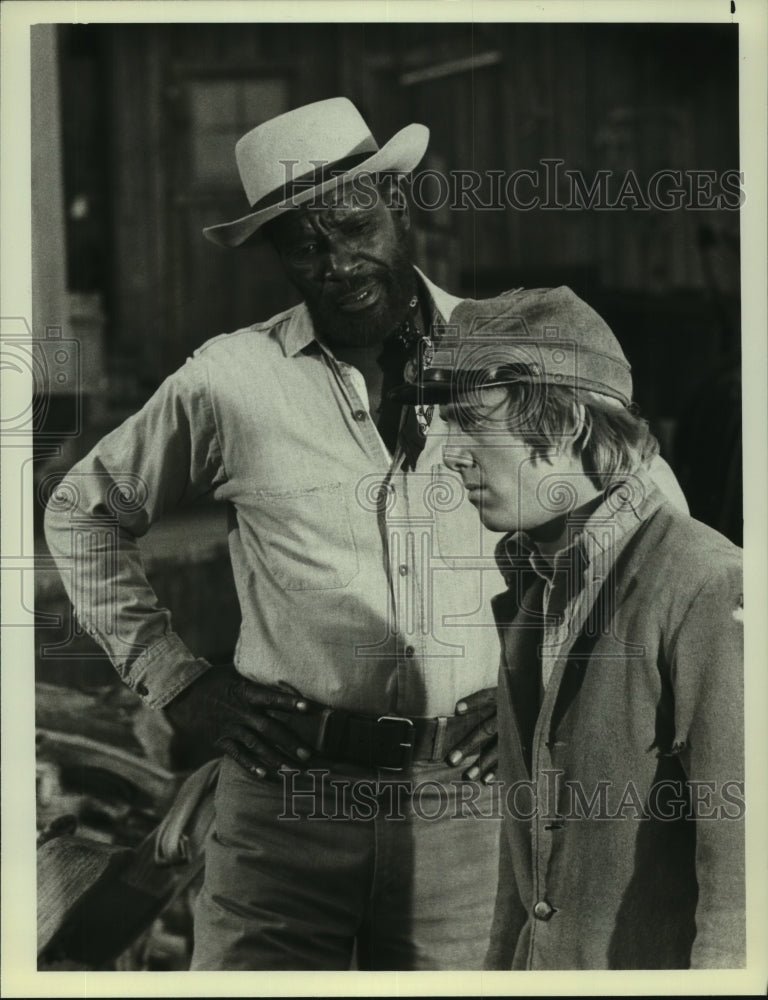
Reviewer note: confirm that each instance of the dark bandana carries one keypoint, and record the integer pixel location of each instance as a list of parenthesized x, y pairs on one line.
[(406, 351)]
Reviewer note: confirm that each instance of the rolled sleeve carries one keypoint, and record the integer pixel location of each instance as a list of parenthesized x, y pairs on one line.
[(163, 671), (163, 457)]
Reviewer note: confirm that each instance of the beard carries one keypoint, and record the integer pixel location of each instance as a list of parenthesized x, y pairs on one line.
[(370, 326)]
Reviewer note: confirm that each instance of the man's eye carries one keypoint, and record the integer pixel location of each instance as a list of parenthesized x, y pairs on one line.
[(303, 252), (355, 225)]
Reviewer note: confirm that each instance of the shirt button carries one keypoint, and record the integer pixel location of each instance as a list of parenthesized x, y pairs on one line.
[(142, 689), (359, 415), (409, 651), (402, 569), (542, 910)]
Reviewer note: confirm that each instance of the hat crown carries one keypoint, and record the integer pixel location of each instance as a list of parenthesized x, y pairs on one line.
[(552, 331), (295, 143), (302, 154), (537, 335)]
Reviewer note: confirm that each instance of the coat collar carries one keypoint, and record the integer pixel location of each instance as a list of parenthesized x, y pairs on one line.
[(596, 544)]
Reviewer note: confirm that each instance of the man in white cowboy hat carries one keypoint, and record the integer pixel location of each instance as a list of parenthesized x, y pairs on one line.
[(355, 808), (367, 647)]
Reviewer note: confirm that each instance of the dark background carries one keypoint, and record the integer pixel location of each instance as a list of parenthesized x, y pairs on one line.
[(150, 114)]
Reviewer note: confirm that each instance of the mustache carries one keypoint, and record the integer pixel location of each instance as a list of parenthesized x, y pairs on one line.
[(335, 289)]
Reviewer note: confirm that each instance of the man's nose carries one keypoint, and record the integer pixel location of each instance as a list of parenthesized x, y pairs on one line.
[(340, 262)]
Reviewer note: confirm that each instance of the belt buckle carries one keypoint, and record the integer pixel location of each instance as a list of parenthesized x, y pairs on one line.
[(407, 747)]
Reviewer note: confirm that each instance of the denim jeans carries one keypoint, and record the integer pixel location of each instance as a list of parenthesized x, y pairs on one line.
[(300, 872)]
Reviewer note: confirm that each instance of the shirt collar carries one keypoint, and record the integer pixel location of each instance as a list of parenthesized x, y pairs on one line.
[(296, 331), (594, 544)]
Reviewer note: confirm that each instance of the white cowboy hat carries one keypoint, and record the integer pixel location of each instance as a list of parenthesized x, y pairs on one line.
[(303, 153)]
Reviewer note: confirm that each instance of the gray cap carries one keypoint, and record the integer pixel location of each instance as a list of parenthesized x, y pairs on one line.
[(544, 335)]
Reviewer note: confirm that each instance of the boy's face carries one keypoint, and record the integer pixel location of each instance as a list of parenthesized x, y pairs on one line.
[(512, 489)]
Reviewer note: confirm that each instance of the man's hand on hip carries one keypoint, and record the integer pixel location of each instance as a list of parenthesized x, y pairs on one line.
[(231, 712), (483, 738)]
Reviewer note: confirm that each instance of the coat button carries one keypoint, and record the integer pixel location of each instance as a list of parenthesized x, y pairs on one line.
[(542, 910), (409, 651), (142, 689), (360, 415)]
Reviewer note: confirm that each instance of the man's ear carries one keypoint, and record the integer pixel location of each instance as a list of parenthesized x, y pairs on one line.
[(393, 190), (403, 211)]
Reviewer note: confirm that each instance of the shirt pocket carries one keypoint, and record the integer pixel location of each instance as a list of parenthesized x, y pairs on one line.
[(306, 537)]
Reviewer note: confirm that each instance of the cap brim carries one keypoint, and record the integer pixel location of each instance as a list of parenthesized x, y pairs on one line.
[(440, 393), (403, 153), (449, 384), (452, 390)]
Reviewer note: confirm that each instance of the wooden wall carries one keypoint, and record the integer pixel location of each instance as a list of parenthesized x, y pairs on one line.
[(496, 97)]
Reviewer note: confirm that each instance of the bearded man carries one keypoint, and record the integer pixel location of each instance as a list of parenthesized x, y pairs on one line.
[(353, 807)]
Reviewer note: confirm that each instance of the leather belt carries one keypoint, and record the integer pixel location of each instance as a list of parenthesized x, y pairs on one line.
[(390, 742)]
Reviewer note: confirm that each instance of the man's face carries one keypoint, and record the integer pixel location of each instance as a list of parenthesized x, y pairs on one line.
[(513, 489), (352, 265)]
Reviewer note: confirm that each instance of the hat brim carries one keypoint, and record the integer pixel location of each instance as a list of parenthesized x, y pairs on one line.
[(446, 386), (403, 152)]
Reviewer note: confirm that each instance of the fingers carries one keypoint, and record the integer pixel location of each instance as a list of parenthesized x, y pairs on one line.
[(262, 746), (475, 740), (477, 700), (247, 761), (484, 768), (278, 735), (483, 737), (260, 696)]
